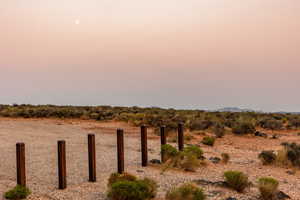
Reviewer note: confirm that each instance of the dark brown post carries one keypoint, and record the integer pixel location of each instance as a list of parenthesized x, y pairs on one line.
[(180, 137), (163, 140), (92, 157), (21, 170), (62, 170), (120, 148), (144, 146)]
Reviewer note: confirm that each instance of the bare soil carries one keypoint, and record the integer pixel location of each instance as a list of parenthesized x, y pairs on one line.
[(41, 136)]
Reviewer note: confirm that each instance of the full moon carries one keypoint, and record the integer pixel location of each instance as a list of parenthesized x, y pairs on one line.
[(77, 21)]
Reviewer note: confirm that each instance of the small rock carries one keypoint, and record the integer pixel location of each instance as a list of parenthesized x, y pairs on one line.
[(260, 134), (207, 182), (215, 160), (231, 198), (214, 193), (202, 158), (282, 196), (291, 172), (151, 150), (275, 136), (155, 161)]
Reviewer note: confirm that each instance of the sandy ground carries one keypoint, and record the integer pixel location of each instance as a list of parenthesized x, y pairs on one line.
[(40, 137)]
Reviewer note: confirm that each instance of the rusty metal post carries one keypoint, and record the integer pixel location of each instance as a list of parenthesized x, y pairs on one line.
[(144, 146), (21, 170), (163, 141), (180, 137), (120, 149), (62, 170), (92, 157)]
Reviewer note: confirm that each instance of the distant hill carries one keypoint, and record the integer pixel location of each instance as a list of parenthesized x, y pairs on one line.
[(282, 112), (235, 109)]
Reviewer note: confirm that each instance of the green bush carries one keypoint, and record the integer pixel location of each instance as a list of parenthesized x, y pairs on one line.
[(152, 186), (188, 159), (236, 180), (189, 162), (19, 192), (129, 188), (243, 128), (268, 187), (267, 157), (187, 191), (207, 140), (116, 177), (169, 151), (194, 150)]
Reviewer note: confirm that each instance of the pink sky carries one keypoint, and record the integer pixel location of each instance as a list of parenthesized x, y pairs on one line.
[(186, 54)]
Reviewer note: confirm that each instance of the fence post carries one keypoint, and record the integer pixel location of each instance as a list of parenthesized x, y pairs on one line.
[(144, 146), (180, 137), (62, 171), (120, 149), (92, 157), (21, 170), (163, 141)]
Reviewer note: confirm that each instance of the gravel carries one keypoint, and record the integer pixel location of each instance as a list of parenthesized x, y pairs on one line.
[(40, 137)]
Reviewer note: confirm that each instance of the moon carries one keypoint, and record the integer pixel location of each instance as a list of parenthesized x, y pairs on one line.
[(77, 21)]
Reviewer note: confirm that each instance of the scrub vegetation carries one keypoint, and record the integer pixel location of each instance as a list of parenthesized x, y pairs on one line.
[(195, 120)]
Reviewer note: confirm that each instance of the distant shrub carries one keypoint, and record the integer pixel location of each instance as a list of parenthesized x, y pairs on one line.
[(243, 128), (267, 157), (294, 123), (282, 158), (272, 124), (187, 191), (131, 188), (207, 140), (293, 153), (268, 187), (200, 133), (19, 192), (200, 125), (229, 123), (188, 137), (225, 157), (236, 180), (219, 130), (152, 116)]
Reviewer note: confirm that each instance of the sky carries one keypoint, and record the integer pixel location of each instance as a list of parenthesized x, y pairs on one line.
[(196, 54)]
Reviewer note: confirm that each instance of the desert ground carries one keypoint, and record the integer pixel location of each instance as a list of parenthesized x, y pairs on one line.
[(41, 135)]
